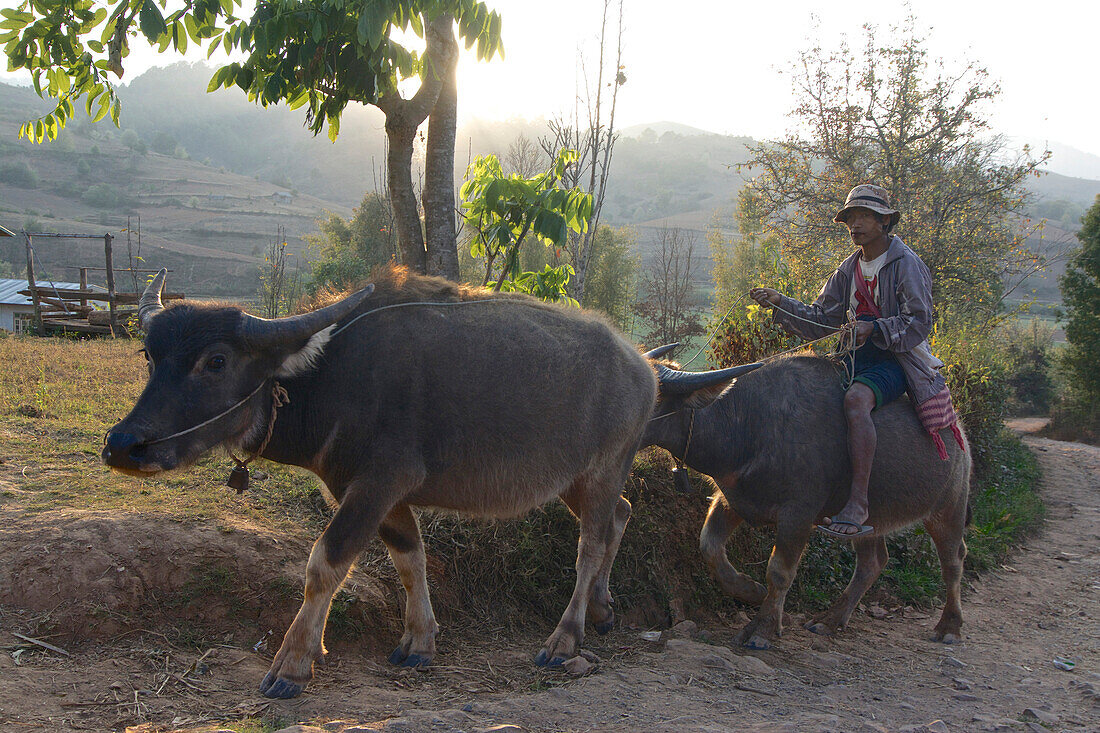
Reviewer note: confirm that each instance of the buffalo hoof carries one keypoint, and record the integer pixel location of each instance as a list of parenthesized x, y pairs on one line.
[(604, 627), (758, 643), (542, 659), (277, 687), (400, 658)]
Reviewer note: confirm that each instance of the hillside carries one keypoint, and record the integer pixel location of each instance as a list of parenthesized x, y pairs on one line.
[(208, 225), (204, 187)]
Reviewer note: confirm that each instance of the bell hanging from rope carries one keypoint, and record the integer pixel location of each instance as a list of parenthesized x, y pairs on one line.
[(238, 478), (680, 479)]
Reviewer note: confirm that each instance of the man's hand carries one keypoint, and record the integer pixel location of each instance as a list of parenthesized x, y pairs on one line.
[(861, 331), (765, 296)]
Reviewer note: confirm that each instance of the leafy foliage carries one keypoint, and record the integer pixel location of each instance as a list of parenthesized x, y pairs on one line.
[(320, 54), (344, 252), (612, 274), (1026, 350), (503, 209), (1081, 297)]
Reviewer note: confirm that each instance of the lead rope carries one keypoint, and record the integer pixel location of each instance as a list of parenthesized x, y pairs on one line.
[(680, 476), (238, 477)]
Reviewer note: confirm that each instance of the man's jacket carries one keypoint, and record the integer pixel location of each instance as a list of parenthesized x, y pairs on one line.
[(905, 298)]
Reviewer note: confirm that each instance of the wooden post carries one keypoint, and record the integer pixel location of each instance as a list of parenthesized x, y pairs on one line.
[(107, 238), (38, 328), (83, 285)]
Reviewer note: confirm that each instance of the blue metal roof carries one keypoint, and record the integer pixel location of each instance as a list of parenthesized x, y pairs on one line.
[(9, 290)]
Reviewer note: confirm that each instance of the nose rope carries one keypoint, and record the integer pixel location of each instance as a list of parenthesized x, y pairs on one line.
[(204, 423)]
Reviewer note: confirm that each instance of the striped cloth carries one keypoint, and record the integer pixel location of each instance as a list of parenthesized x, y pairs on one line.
[(937, 413)]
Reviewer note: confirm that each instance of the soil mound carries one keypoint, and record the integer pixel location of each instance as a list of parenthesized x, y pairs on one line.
[(95, 574)]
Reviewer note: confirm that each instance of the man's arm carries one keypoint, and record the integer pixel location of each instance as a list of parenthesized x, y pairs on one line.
[(825, 314)]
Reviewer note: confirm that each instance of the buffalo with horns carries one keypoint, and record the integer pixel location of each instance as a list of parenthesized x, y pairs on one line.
[(411, 392), (775, 444)]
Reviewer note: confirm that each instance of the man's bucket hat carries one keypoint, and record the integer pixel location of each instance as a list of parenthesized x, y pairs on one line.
[(868, 196)]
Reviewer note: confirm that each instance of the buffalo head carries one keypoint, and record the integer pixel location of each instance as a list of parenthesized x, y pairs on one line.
[(210, 374), (680, 392)]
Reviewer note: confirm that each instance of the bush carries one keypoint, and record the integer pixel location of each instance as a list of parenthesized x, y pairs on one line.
[(1026, 351), (104, 196), (975, 375), (18, 174)]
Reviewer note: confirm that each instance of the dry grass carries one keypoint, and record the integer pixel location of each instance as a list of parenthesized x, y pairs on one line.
[(58, 397)]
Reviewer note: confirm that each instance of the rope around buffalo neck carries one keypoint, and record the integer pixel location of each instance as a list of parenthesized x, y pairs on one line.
[(416, 302)]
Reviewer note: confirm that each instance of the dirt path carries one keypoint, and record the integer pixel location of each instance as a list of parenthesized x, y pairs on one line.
[(882, 674)]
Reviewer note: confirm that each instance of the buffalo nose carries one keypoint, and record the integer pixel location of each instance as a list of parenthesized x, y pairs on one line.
[(122, 450)]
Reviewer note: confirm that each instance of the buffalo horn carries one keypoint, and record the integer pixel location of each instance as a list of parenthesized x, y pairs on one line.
[(674, 382), (660, 351), (149, 304), (292, 330)]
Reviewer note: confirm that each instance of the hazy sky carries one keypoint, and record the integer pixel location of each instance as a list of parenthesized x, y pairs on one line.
[(716, 64)]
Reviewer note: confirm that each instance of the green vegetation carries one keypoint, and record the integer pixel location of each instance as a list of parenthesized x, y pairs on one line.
[(503, 209), (18, 174), (1080, 412), (343, 254)]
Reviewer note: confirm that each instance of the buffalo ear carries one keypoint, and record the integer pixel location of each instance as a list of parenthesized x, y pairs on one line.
[(704, 396)]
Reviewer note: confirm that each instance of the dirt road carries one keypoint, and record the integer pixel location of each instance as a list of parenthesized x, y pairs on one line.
[(882, 674)]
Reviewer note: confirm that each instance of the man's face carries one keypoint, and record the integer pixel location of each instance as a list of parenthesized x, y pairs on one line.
[(865, 226)]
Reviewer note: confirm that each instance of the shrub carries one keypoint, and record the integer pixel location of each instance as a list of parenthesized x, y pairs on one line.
[(18, 173), (1026, 351), (103, 196)]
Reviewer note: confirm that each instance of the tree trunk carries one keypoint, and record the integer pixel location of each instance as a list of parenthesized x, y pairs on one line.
[(406, 217), (439, 191), (403, 116)]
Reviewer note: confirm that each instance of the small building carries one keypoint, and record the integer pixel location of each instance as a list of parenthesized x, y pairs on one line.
[(282, 197), (17, 311)]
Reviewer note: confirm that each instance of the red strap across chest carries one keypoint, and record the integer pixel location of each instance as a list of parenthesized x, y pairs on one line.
[(862, 289)]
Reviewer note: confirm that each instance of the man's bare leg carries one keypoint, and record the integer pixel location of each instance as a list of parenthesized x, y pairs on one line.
[(858, 403)]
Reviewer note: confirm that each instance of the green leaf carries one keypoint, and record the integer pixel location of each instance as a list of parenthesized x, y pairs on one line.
[(151, 21)]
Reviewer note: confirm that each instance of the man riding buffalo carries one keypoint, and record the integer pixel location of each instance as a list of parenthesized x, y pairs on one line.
[(882, 296)]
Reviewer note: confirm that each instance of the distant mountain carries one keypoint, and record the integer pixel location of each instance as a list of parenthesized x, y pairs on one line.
[(212, 184), (660, 128), (1065, 159)]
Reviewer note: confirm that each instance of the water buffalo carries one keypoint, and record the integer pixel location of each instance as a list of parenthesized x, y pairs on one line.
[(420, 393), (775, 444)]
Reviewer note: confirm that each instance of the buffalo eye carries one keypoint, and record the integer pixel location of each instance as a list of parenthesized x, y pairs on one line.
[(215, 363)]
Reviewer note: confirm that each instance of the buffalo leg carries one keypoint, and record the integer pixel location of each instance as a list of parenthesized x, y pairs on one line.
[(594, 500), (354, 524), (721, 521), (871, 557), (946, 530), (599, 605), (401, 534), (790, 540)]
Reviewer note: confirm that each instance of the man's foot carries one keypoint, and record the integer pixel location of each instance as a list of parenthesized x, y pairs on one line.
[(848, 522), (842, 530)]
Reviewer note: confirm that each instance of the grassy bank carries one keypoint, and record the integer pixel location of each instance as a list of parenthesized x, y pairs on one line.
[(58, 397)]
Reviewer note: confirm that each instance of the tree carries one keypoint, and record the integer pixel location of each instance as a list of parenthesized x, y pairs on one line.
[(280, 288), (884, 116), (317, 54), (523, 157), (343, 254), (503, 209), (594, 137), (1081, 296), (667, 289), (612, 274)]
